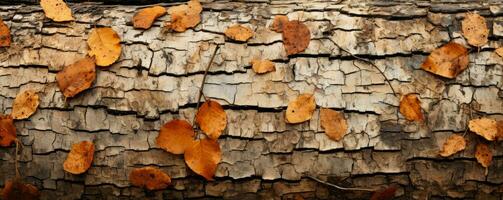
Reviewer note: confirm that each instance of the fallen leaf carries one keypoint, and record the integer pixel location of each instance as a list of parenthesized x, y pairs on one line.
[(301, 109), (262, 66), (212, 119), (76, 77), (499, 127), (149, 177), (384, 194), (483, 154), (296, 37), (485, 127), (334, 123), (7, 130), (25, 104), (410, 108), (452, 145), (474, 29), (176, 136), (203, 157), (17, 190), (80, 158), (447, 61), (144, 18), (57, 10), (278, 23), (239, 33), (184, 16), (4, 34), (499, 51), (104, 45)]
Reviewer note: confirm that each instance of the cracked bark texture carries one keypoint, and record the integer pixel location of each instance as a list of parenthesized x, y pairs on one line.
[(158, 76)]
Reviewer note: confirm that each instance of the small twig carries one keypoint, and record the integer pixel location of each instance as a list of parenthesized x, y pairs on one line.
[(204, 80), (16, 164), (340, 187)]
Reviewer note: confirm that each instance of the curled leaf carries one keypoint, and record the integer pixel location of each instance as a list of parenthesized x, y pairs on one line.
[(203, 157), (144, 18), (452, 145), (184, 16), (239, 33), (5, 39), (80, 158), (278, 23), (410, 107), (212, 119), (150, 178), (7, 130), (25, 104), (56, 10), (334, 123), (17, 190), (301, 109), (384, 194), (475, 29), (485, 127), (483, 154), (104, 45), (296, 37), (447, 61), (176, 136), (262, 66), (76, 77)]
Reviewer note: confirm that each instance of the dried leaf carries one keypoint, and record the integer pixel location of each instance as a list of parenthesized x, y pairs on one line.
[(452, 145), (57, 10), (278, 23), (499, 127), (483, 154), (5, 39), (184, 16), (334, 123), (484, 127), (239, 33), (77, 77), (447, 61), (17, 190), (301, 109), (144, 18), (176, 136), (7, 130), (410, 108), (203, 157), (25, 104), (498, 51), (384, 194), (262, 66), (104, 45), (296, 37), (475, 29), (80, 158), (212, 119), (149, 177)]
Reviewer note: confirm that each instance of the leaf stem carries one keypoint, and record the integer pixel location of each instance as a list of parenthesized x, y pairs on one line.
[(340, 187), (204, 80)]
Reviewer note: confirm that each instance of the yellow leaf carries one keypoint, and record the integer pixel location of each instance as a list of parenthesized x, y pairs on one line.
[(56, 10), (104, 45), (499, 51), (452, 145), (447, 61), (239, 33), (301, 109), (475, 29), (262, 66), (25, 104), (485, 127), (184, 16)]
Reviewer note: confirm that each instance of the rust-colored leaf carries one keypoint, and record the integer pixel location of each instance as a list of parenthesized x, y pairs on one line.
[(334, 123), (7, 130), (5, 39), (57, 10), (499, 128), (104, 46), (483, 154), (77, 77), (212, 119), (278, 23), (474, 29), (239, 33), (150, 178), (262, 66), (447, 61), (301, 109), (410, 108), (499, 51), (176, 136), (384, 194), (203, 157), (17, 190), (485, 127), (80, 158), (25, 104), (144, 18), (296, 37), (452, 145), (184, 16)]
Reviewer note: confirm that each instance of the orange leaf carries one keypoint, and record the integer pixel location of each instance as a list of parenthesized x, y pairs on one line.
[(334, 123), (184, 16), (145, 17), (25, 104), (384, 194), (7, 130), (447, 61), (150, 178), (17, 190), (77, 77), (56, 10), (475, 29), (301, 109), (203, 157), (278, 23), (262, 66), (498, 51), (485, 127), (296, 37), (176, 136), (410, 108), (212, 119), (239, 33), (104, 45), (483, 154), (4, 34), (452, 145), (80, 158), (499, 127)]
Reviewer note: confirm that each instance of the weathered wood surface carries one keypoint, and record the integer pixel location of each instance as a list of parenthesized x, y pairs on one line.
[(158, 77)]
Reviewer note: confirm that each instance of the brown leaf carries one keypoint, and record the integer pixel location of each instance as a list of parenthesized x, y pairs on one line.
[(301, 109), (475, 29), (176, 136), (25, 104), (184, 16), (262, 66), (77, 77), (384, 194), (203, 157), (452, 145), (80, 158), (499, 127), (57, 10), (483, 154), (144, 18), (212, 119), (334, 123), (17, 190), (149, 177), (278, 23), (447, 61), (499, 51), (484, 127), (410, 108), (296, 37), (104, 45), (5, 39), (239, 33), (7, 130)]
